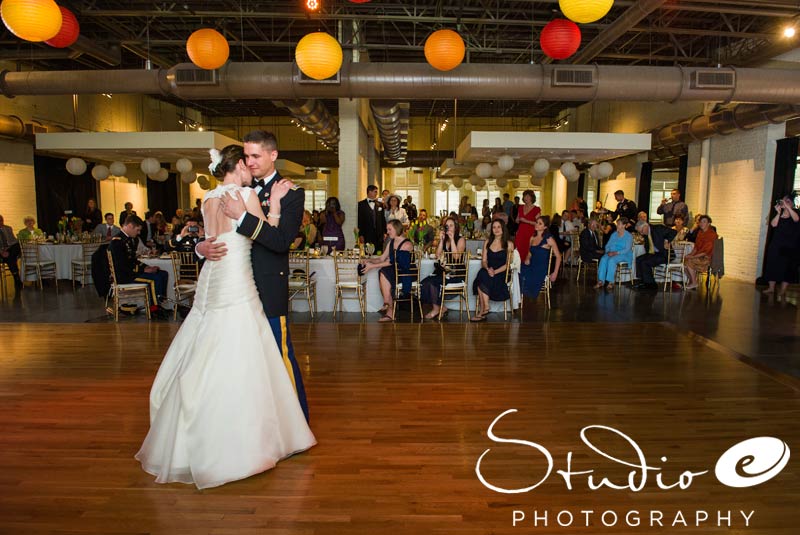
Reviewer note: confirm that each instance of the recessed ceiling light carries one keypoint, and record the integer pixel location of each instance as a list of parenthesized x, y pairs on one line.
[(789, 32)]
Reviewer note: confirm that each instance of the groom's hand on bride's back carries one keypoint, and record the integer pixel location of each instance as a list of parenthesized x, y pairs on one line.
[(211, 250)]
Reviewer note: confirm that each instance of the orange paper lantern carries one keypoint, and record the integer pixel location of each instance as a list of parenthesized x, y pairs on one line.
[(32, 20), (560, 38), (207, 49), (444, 50), (70, 29), (318, 55)]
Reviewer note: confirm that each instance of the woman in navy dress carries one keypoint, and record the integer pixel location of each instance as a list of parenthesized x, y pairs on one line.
[(450, 240), (537, 265), (397, 256), (490, 283)]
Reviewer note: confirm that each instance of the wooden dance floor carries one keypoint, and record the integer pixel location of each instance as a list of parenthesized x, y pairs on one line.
[(401, 414)]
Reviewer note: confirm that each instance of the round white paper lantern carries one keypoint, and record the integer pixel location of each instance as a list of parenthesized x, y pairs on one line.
[(483, 170), (183, 165), (117, 169), (467, 187), (482, 182), (162, 175), (475, 179), (605, 169), (443, 187), (574, 177), (202, 181), (188, 178), (76, 166), (540, 167), (505, 162), (502, 182), (100, 172), (594, 172), (497, 172), (150, 166), (568, 169), (515, 184), (458, 182)]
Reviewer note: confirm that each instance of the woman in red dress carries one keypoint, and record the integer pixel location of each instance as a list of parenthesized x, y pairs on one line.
[(526, 219)]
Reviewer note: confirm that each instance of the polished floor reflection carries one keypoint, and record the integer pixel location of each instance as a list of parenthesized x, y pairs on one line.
[(401, 414)]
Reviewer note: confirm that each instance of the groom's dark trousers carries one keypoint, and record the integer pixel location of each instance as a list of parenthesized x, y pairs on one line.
[(270, 255)]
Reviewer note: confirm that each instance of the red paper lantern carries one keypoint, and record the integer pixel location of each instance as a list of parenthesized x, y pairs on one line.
[(560, 38), (70, 29)]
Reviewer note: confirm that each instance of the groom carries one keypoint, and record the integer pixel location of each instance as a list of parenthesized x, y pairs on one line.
[(270, 244)]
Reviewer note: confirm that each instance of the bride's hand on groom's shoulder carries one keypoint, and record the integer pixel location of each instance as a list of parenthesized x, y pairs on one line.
[(210, 250), (280, 189)]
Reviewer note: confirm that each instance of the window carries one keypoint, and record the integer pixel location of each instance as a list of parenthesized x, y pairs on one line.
[(446, 201), (315, 198), (403, 193), (660, 188), (490, 193)]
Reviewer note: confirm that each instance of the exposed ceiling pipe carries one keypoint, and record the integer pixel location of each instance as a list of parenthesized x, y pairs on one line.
[(411, 81), (392, 120), (13, 127), (314, 116), (623, 24)]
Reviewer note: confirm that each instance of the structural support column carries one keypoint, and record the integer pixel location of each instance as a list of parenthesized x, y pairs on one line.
[(353, 164)]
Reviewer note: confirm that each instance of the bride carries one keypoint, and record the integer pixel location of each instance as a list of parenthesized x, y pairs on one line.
[(222, 406)]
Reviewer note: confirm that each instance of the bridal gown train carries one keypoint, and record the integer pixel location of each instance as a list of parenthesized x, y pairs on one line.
[(222, 406)]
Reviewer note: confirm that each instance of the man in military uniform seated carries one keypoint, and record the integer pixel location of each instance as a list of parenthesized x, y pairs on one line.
[(128, 269), (187, 237)]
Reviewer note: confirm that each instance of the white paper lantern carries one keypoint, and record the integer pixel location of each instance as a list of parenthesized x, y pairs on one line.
[(497, 172), (188, 178), (605, 169), (100, 172), (505, 162), (515, 184), (162, 175), (573, 177), (202, 181), (482, 182), (76, 166), (478, 187), (502, 182), (594, 172), (183, 165), (537, 181), (483, 170), (443, 187), (568, 169), (458, 182), (540, 167), (467, 187), (117, 169), (150, 166), (475, 179)]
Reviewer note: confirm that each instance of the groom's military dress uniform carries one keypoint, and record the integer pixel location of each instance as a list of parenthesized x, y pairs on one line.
[(270, 256), (128, 269)]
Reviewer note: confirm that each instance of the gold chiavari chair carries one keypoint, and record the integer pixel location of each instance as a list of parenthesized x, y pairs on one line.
[(512, 267), (547, 284), (674, 269), (349, 283), (455, 266), (301, 280), (414, 292), (32, 264), (118, 291), (82, 269), (623, 269), (6, 282), (186, 270)]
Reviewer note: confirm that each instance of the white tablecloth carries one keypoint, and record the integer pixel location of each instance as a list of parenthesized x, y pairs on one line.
[(638, 250), (325, 276), (166, 265), (63, 254)]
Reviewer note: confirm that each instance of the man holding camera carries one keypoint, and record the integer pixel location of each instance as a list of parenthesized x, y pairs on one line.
[(190, 235)]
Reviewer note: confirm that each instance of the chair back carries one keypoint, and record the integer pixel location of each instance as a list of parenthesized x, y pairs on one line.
[(112, 274), (30, 252), (299, 266), (412, 274), (346, 269), (185, 266), (717, 266), (88, 250), (454, 265)]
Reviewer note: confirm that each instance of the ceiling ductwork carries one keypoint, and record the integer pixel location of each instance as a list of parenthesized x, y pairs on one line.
[(314, 116), (13, 127), (392, 120), (672, 140), (413, 81)]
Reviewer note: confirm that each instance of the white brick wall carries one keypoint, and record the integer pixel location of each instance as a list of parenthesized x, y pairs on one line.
[(17, 183)]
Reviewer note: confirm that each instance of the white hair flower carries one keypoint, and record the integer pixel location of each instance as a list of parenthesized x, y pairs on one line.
[(216, 159)]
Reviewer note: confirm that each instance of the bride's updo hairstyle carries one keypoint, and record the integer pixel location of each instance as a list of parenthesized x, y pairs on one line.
[(226, 160)]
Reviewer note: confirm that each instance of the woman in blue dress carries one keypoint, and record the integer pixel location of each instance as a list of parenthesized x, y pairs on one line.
[(490, 283), (397, 256), (537, 266), (618, 249)]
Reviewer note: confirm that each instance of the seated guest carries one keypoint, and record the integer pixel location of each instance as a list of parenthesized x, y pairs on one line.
[(396, 257), (30, 232), (500, 216), (656, 239), (128, 269), (189, 236), (700, 257), (680, 229), (555, 229), (450, 241), (307, 235), (428, 234), (490, 283), (641, 216), (692, 234), (9, 252), (537, 265), (618, 249), (486, 225), (108, 229), (591, 248)]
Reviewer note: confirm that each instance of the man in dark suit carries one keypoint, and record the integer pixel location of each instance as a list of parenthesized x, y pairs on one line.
[(371, 219), (270, 252), (127, 267), (591, 247), (108, 229), (657, 238), (149, 230)]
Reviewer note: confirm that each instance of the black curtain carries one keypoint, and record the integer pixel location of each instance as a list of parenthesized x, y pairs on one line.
[(683, 166), (645, 184), (582, 186), (163, 196), (58, 191), (782, 183)]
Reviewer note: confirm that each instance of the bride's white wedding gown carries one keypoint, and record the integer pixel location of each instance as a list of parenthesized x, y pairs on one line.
[(222, 406)]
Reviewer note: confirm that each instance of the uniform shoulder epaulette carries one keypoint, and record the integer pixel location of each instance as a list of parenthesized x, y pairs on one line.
[(296, 187), (116, 238)]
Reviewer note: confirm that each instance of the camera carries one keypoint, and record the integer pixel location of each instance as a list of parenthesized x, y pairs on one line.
[(193, 228)]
